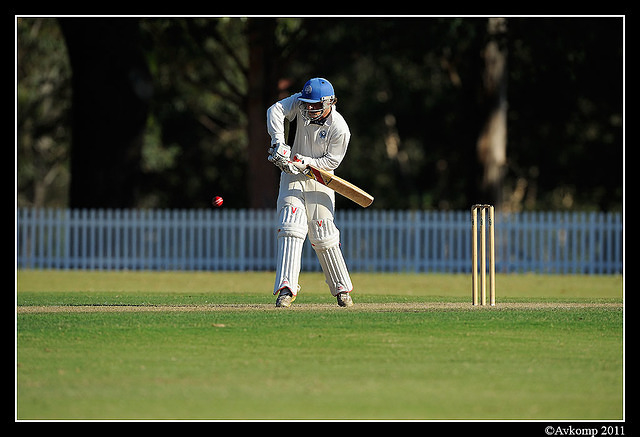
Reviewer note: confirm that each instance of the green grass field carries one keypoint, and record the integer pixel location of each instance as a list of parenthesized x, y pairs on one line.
[(212, 346)]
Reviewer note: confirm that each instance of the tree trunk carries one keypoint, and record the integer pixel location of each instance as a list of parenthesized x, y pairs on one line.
[(112, 89), (492, 142), (263, 177)]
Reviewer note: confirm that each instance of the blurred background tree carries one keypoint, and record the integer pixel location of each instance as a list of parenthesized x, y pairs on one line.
[(43, 102), (166, 112)]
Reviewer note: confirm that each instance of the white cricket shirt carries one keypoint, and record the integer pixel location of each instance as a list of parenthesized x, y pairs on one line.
[(325, 145)]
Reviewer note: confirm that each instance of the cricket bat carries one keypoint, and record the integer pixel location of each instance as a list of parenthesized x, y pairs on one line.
[(337, 184)]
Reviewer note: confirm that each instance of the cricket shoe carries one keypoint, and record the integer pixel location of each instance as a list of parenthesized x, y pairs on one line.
[(344, 299), (285, 298)]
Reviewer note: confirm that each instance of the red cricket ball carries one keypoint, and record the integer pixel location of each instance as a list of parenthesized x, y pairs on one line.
[(217, 201)]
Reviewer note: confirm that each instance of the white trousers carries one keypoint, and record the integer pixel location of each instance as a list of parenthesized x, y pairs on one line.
[(306, 207)]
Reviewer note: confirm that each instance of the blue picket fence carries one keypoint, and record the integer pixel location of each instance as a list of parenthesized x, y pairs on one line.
[(372, 240)]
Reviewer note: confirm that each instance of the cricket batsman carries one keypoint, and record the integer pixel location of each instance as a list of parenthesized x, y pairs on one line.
[(306, 207)]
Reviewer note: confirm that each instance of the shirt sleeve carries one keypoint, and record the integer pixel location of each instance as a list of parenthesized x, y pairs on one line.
[(285, 108)]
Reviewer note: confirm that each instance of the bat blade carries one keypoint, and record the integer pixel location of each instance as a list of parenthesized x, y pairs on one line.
[(340, 186)]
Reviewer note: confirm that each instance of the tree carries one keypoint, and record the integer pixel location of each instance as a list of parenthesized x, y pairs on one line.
[(411, 89), (492, 140), (43, 109), (262, 79), (111, 94)]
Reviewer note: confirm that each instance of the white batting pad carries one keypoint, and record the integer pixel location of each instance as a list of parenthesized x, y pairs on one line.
[(325, 239), (291, 234)]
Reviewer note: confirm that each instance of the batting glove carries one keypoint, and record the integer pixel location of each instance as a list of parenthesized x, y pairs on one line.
[(299, 162), (280, 156)]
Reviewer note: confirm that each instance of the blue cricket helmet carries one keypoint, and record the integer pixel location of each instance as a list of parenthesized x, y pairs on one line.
[(317, 90)]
